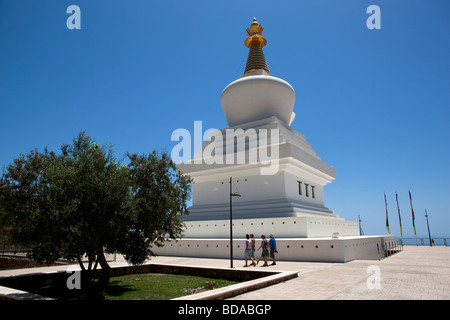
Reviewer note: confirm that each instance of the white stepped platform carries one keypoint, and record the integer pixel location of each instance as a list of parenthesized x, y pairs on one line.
[(326, 249), (302, 226)]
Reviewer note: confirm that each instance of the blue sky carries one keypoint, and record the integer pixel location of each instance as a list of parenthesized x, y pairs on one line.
[(374, 104)]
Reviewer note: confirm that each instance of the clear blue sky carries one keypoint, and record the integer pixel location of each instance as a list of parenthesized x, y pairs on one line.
[(374, 104)]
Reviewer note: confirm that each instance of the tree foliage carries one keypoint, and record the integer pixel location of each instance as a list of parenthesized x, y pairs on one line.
[(83, 201)]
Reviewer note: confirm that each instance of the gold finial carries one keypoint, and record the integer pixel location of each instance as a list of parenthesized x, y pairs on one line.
[(255, 28), (255, 32), (255, 42)]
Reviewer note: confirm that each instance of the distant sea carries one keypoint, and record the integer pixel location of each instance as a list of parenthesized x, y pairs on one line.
[(425, 241)]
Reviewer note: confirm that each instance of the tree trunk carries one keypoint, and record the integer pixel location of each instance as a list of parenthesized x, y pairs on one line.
[(89, 262), (105, 273), (81, 263)]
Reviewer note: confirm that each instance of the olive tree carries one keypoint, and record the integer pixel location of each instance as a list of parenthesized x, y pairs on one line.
[(82, 202)]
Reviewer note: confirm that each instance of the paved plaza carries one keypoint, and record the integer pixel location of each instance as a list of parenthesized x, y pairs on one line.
[(413, 274)]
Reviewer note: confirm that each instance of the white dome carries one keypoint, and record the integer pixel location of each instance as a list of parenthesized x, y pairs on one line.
[(257, 97)]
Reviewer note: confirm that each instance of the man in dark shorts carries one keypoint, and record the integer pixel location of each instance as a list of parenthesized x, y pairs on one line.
[(272, 248)]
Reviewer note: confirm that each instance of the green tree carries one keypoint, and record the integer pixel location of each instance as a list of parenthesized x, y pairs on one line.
[(4, 230), (83, 202)]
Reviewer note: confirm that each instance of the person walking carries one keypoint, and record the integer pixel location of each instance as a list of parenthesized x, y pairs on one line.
[(254, 259), (265, 249), (247, 250), (272, 248)]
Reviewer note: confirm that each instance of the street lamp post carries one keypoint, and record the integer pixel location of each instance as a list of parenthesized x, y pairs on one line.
[(360, 229), (231, 220)]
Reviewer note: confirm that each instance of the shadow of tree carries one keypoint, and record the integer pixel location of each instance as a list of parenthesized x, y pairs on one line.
[(116, 288)]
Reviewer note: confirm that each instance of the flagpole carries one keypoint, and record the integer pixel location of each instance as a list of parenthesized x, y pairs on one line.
[(413, 217), (399, 217), (428, 226), (387, 220)]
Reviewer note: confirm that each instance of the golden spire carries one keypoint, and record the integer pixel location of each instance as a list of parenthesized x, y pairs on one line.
[(255, 42)]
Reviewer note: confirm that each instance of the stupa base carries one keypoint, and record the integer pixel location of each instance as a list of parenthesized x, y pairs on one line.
[(326, 249)]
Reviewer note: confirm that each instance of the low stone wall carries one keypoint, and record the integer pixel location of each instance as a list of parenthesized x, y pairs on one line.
[(218, 273), (341, 249), (59, 278), (8, 263)]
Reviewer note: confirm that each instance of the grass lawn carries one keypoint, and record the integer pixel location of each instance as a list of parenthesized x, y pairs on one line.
[(157, 286)]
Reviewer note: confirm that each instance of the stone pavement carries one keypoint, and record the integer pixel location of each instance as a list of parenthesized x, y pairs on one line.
[(415, 273)]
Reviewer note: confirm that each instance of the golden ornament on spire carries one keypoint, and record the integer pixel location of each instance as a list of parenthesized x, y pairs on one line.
[(255, 42)]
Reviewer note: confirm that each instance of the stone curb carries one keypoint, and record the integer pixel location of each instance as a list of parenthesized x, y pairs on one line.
[(7, 293), (263, 279), (240, 288)]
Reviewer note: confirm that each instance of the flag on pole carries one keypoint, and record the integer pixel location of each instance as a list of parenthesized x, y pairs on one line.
[(412, 212), (399, 217), (387, 220)]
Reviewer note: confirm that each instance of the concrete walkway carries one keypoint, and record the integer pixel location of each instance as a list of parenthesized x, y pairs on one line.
[(415, 273)]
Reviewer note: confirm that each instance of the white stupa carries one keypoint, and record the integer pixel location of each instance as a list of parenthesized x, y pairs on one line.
[(277, 174)]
